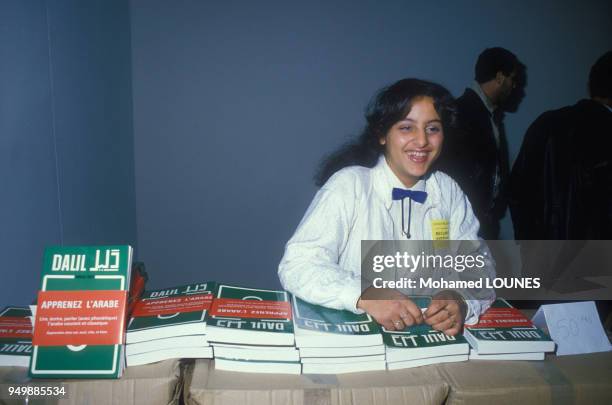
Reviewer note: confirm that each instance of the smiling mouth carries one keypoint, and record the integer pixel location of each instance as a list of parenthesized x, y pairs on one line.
[(418, 157)]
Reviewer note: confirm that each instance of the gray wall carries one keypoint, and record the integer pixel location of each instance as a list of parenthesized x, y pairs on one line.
[(236, 102), (66, 139)]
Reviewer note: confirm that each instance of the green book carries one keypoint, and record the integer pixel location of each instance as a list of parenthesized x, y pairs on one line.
[(171, 312), (80, 313), (422, 341), (15, 336), (318, 326), (241, 315), (504, 329)]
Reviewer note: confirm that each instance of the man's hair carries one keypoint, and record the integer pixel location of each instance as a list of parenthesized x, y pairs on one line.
[(600, 78), (493, 60)]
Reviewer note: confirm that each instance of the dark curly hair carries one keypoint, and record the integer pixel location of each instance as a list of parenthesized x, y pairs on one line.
[(390, 105)]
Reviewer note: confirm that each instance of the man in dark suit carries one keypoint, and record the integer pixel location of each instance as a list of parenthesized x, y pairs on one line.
[(561, 182), (476, 154), (562, 177)]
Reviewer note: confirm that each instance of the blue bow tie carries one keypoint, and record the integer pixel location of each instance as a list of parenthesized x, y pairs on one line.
[(400, 194)]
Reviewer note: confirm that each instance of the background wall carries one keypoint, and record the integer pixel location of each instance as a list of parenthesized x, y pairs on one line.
[(235, 103), (66, 139)]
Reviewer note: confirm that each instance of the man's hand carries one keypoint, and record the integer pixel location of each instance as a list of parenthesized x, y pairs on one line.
[(390, 308), (446, 312)]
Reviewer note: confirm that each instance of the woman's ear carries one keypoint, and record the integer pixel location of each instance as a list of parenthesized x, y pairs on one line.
[(382, 140)]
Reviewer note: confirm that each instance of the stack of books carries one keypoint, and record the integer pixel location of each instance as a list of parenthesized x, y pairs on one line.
[(504, 333), (15, 336), (251, 331), (333, 342), (170, 323), (421, 345)]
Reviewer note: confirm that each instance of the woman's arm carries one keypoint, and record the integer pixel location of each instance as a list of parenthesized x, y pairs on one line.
[(449, 310), (310, 266)]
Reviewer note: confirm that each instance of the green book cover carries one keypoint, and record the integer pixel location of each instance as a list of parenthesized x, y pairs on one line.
[(15, 336), (316, 318), (251, 309), (80, 315), (420, 336), (186, 304)]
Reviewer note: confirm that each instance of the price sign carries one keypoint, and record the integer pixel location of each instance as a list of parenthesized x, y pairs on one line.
[(575, 327)]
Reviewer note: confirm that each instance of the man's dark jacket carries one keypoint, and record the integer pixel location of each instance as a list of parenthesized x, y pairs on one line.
[(470, 156), (562, 179)]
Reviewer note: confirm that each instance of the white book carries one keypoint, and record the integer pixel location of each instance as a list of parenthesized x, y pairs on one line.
[(394, 354), (427, 361), (474, 355), (166, 343), (498, 347), (342, 360), (166, 332), (257, 366), (337, 368), (341, 351), (265, 353), (165, 354), (245, 337), (14, 361)]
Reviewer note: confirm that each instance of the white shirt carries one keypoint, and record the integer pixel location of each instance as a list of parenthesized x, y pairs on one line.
[(322, 260)]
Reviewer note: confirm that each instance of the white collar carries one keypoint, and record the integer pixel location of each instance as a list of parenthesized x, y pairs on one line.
[(385, 181), (485, 100)]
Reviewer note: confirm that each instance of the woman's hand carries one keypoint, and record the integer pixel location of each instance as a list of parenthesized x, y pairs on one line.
[(446, 312), (390, 308)]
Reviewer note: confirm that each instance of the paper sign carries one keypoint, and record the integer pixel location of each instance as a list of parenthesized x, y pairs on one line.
[(575, 327), (439, 229)]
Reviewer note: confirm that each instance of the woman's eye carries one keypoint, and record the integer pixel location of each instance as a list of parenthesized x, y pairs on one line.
[(405, 128), (433, 130)]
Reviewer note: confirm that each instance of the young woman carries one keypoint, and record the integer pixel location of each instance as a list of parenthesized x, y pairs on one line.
[(363, 197)]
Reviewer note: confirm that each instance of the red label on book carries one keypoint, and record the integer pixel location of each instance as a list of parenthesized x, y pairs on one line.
[(172, 305), (250, 308), (13, 327), (79, 318), (502, 318)]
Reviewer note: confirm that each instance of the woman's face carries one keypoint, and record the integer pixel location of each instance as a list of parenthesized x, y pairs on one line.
[(415, 142)]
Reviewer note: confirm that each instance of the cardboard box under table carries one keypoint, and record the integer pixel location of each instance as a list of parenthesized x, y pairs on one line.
[(206, 386), (157, 383), (583, 379), (580, 379)]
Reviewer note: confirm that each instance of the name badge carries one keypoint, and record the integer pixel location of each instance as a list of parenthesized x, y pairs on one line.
[(439, 229)]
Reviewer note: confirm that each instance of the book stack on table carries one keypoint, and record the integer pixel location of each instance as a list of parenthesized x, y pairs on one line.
[(421, 345), (334, 341), (15, 336), (251, 330), (504, 333), (170, 323)]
